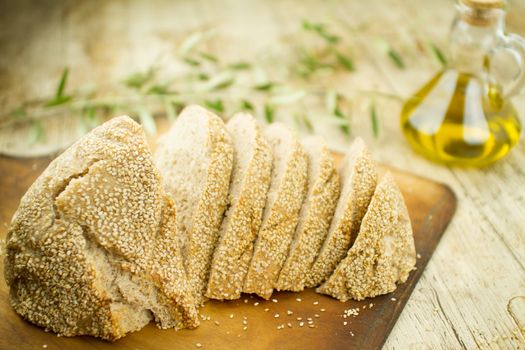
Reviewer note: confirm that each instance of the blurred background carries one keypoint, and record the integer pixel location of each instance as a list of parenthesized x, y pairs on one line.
[(288, 59), (337, 68)]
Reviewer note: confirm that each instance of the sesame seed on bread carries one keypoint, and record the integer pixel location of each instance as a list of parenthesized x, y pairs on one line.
[(250, 180), (359, 179), (383, 253), (315, 216), (195, 158), (80, 251), (281, 213)]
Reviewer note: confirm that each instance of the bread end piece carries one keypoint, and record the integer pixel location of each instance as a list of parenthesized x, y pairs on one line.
[(76, 260), (383, 253)]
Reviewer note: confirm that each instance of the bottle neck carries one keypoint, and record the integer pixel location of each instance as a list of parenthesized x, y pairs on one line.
[(474, 33)]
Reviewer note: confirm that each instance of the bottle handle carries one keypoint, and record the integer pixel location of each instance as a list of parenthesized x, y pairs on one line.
[(515, 45)]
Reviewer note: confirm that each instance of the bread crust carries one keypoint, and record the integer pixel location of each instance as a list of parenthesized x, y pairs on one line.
[(315, 217), (383, 253), (201, 233), (359, 178), (279, 222), (86, 224), (243, 219)]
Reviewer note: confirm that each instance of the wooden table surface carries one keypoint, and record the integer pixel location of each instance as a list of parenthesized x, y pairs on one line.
[(472, 294)]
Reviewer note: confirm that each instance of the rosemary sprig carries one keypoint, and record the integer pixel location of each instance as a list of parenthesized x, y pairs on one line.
[(207, 78), (321, 30)]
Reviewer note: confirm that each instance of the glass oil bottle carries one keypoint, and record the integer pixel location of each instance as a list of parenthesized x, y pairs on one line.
[(463, 115)]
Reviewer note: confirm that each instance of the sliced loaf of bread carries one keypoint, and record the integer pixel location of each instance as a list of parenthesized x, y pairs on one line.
[(383, 253), (281, 212), (195, 157), (250, 180), (315, 216), (92, 248), (359, 179)]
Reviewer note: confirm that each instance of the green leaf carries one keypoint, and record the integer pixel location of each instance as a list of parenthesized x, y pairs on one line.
[(172, 110), (219, 81), (60, 98), (147, 121), (241, 65), (331, 100), (320, 29), (58, 101), (247, 106), (159, 90), (89, 117), (396, 58), (374, 119), (37, 133), (139, 79), (269, 113), (345, 61), (439, 55), (225, 84), (62, 84), (19, 112), (203, 76), (190, 42), (216, 105), (345, 126), (288, 98), (82, 127), (265, 86), (209, 57), (303, 121), (191, 61), (308, 64), (308, 123)]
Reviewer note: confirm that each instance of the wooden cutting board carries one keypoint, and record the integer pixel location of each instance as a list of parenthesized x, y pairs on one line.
[(431, 206)]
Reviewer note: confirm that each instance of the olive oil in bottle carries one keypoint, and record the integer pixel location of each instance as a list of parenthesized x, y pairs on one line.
[(458, 119), (463, 115)]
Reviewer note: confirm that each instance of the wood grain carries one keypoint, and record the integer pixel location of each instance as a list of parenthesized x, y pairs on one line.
[(469, 296), (430, 204)]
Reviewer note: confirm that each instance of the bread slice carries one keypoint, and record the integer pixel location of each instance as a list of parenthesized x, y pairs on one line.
[(383, 253), (248, 190), (92, 248), (359, 179), (195, 157), (281, 213), (315, 216)]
